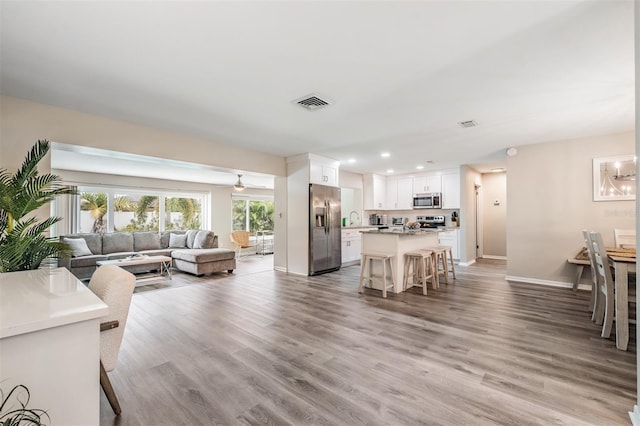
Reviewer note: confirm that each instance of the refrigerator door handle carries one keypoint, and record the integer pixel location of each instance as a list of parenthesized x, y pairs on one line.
[(327, 221)]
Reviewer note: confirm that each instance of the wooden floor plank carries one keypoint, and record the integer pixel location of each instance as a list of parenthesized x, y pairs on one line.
[(263, 347)]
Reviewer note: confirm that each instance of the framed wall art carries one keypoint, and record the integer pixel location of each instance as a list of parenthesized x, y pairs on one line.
[(614, 178)]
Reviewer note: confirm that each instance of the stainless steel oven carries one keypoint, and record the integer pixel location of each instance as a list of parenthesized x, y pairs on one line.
[(427, 201)]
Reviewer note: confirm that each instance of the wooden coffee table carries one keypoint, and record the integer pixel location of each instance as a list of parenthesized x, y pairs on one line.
[(164, 263)]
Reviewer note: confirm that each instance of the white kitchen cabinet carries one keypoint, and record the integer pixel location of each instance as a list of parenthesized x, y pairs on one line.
[(451, 238), (451, 191), (405, 194), (425, 184), (374, 196), (399, 193), (323, 174), (351, 246)]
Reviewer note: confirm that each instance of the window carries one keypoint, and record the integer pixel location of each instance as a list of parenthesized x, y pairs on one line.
[(253, 215), (126, 210)]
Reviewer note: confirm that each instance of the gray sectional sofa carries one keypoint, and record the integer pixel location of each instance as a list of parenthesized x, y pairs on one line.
[(195, 252)]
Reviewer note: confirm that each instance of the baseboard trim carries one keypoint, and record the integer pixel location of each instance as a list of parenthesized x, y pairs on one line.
[(280, 269), (635, 416), (471, 262), (549, 283), (490, 256)]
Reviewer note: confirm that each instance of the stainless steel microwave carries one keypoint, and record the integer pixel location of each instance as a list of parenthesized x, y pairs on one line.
[(427, 201)]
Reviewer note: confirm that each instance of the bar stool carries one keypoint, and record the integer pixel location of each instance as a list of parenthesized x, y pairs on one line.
[(370, 258), (422, 269), (440, 255)]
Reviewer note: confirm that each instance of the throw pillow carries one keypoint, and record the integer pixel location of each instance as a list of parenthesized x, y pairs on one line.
[(191, 236), (78, 246), (204, 240), (177, 240)]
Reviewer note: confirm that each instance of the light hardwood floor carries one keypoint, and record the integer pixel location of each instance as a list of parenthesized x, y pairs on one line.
[(270, 348)]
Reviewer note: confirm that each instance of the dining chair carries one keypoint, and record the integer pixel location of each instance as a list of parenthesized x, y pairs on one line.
[(624, 238), (115, 287), (241, 241), (607, 285), (595, 290)]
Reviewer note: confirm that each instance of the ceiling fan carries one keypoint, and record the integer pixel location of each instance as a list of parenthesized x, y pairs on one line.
[(239, 186)]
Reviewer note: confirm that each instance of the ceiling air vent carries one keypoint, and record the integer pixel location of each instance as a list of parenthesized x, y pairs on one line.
[(312, 102), (470, 123)]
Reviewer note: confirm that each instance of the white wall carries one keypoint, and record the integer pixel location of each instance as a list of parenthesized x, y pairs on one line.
[(494, 214), (550, 196), (350, 180), (24, 122)]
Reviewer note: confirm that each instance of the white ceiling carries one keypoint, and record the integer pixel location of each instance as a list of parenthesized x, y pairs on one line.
[(400, 74)]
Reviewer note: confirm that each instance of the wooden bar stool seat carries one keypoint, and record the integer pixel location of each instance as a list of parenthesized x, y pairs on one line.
[(442, 260), (370, 258), (418, 266)]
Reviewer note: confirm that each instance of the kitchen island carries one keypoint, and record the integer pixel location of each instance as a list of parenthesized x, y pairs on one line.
[(396, 243), (50, 342)]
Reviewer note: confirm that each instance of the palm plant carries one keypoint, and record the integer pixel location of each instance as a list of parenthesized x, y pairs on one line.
[(261, 215), (145, 204), (23, 243), (189, 209), (96, 204)]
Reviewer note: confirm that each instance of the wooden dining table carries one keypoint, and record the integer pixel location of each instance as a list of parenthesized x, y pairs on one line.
[(623, 262)]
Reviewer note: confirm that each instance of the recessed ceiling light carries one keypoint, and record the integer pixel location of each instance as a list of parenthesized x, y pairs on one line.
[(385, 155), (419, 167), (351, 160), (498, 170), (389, 170)]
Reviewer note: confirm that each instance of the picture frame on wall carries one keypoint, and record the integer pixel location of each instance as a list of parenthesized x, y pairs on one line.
[(614, 178)]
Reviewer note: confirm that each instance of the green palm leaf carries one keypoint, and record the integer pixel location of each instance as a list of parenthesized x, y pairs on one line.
[(23, 241)]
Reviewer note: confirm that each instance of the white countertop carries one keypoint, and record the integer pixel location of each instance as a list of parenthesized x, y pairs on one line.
[(44, 298), (401, 232)]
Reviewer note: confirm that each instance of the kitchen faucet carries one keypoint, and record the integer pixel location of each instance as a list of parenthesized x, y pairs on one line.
[(357, 215)]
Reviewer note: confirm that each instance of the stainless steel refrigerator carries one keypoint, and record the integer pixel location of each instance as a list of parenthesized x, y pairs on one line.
[(325, 249)]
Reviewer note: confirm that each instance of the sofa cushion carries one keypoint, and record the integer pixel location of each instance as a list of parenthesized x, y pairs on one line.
[(146, 241), (203, 255), (177, 241), (84, 261), (191, 237), (94, 241), (78, 246), (165, 235), (117, 242), (204, 240)]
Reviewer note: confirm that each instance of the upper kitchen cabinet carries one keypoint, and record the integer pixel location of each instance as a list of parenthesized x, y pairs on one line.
[(374, 197), (322, 173), (399, 193), (425, 184), (451, 191)]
